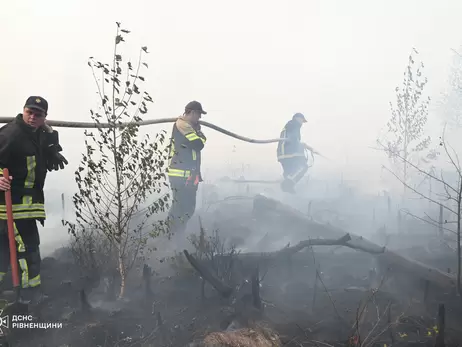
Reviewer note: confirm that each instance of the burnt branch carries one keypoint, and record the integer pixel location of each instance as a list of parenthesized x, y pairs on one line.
[(386, 257), (207, 275), (256, 299), (441, 326), (345, 240), (419, 193), (85, 305)]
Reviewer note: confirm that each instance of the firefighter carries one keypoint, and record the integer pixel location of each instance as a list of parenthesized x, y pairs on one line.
[(291, 153), (184, 173), (28, 148)]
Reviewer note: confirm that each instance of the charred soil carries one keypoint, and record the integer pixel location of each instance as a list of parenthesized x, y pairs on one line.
[(310, 301)]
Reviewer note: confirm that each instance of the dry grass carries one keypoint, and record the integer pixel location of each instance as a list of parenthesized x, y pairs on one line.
[(259, 337)]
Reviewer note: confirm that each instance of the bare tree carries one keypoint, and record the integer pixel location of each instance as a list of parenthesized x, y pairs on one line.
[(450, 200), (405, 134), (120, 172)]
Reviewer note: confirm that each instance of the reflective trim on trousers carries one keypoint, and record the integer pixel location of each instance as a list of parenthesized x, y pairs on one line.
[(294, 176), (20, 243), (27, 282)]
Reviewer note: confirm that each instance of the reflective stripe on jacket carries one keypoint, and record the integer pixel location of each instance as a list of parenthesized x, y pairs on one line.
[(185, 150), (293, 147), (22, 151)]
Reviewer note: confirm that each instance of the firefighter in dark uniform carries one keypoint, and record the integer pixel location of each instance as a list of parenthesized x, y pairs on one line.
[(28, 148), (184, 169), (291, 153)]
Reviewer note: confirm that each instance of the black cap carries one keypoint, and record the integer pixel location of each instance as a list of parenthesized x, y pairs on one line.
[(301, 116), (38, 103), (194, 106)]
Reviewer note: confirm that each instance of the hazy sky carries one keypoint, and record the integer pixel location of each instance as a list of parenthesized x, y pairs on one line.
[(251, 63)]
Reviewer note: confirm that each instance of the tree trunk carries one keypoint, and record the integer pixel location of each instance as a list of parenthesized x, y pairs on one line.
[(122, 273), (440, 222), (441, 326), (459, 198)]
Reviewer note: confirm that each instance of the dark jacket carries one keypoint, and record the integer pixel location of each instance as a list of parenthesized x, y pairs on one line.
[(185, 150), (23, 151), (293, 147)]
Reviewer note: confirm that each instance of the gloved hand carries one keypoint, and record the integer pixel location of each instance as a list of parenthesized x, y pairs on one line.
[(307, 147), (311, 149), (194, 180), (201, 134), (197, 129), (55, 160)]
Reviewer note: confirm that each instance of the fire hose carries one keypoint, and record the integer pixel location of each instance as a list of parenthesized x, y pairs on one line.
[(67, 124), (308, 152)]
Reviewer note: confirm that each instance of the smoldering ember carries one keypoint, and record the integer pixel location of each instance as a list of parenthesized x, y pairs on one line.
[(241, 179)]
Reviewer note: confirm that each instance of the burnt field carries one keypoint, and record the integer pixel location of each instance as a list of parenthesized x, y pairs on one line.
[(322, 287)]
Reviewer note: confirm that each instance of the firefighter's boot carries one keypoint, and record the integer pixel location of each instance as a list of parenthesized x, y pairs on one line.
[(288, 186), (33, 296)]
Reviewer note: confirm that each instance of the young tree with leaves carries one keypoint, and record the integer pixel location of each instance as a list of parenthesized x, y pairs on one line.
[(405, 135), (450, 106), (120, 173)]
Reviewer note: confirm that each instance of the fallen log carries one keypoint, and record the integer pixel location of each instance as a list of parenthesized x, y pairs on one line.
[(264, 206), (387, 260), (226, 291)]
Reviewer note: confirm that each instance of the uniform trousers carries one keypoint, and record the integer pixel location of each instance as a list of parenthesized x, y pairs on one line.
[(28, 251), (183, 204)]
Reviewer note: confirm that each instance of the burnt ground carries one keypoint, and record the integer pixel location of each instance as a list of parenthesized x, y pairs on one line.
[(303, 310), (176, 314)]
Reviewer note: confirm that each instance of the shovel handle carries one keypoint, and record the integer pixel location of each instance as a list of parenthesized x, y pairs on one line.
[(11, 238)]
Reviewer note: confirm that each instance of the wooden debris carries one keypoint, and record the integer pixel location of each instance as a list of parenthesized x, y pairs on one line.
[(147, 275), (387, 259), (85, 305), (441, 326)]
